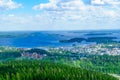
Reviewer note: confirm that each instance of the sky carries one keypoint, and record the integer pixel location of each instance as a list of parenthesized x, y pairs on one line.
[(17, 15)]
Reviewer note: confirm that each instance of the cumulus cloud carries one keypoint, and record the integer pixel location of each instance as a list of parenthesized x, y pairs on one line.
[(64, 14), (8, 5), (100, 2), (80, 9), (77, 14), (58, 5), (109, 2), (23, 22)]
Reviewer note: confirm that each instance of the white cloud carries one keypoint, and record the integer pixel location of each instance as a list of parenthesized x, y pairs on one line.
[(74, 8), (80, 13), (58, 5), (105, 2), (44, 22), (23, 22), (99, 2), (65, 14), (8, 5)]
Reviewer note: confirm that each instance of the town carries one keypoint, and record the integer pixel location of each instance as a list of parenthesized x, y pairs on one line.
[(79, 50), (94, 49)]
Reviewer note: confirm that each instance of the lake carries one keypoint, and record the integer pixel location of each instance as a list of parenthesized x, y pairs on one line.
[(30, 39)]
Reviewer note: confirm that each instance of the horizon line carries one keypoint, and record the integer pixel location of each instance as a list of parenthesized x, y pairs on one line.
[(60, 30)]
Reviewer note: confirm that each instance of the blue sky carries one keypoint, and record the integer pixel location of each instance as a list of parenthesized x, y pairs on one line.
[(59, 14)]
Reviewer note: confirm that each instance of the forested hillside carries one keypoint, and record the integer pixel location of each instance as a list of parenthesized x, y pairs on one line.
[(40, 70)]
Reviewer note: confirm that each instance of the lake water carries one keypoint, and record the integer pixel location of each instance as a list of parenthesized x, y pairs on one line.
[(46, 38)]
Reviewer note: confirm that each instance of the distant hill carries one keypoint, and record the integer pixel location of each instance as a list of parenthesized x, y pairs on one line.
[(91, 39), (40, 70)]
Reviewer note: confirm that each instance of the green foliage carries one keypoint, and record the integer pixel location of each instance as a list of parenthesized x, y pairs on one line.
[(39, 51), (101, 63), (105, 40), (8, 55), (9, 52), (39, 70), (104, 63), (73, 40)]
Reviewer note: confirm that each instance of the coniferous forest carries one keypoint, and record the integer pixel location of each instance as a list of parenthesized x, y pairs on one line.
[(40, 70), (39, 64)]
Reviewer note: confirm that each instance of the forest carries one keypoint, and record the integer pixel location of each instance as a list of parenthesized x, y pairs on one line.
[(56, 66), (98, 40), (41, 70)]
